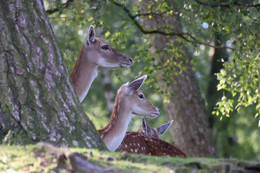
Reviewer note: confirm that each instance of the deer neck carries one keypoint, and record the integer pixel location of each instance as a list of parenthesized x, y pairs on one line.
[(83, 74), (114, 133)]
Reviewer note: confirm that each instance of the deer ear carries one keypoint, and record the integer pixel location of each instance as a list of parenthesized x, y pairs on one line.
[(145, 127), (136, 84), (163, 128), (91, 34)]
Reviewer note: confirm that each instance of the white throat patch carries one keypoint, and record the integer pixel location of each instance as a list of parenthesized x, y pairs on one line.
[(114, 142), (103, 63)]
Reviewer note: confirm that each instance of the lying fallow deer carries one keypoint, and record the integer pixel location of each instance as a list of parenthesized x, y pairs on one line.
[(146, 130), (129, 100), (146, 141), (94, 52)]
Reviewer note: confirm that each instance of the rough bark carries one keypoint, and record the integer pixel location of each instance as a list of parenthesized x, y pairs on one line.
[(38, 102), (190, 131)]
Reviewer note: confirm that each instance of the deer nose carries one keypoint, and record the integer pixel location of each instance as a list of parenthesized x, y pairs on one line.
[(130, 59)]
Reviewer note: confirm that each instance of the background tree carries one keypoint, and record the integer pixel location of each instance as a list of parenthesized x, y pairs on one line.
[(237, 24), (195, 14), (38, 102), (184, 105)]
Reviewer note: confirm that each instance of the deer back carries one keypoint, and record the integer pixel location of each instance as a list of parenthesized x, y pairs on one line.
[(135, 142)]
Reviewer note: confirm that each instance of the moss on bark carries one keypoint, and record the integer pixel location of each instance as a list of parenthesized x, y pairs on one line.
[(37, 98)]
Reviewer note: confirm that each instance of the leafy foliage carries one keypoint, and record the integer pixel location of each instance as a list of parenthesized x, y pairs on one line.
[(237, 21), (240, 76)]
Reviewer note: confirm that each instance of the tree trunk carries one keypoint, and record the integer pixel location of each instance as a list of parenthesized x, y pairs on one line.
[(108, 90), (38, 102), (190, 131), (224, 140), (107, 84), (216, 65)]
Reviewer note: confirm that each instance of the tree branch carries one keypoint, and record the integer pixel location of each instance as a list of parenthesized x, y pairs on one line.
[(156, 31), (147, 14), (61, 7)]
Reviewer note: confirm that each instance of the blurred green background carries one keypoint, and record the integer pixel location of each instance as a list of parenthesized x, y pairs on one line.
[(235, 135)]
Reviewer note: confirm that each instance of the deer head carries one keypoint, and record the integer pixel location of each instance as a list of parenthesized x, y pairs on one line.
[(95, 53), (134, 100), (146, 130), (102, 54), (146, 141), (129, 100)]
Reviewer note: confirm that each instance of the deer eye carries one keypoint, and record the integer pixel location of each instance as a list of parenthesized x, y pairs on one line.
[(105, 47), (141, 96)]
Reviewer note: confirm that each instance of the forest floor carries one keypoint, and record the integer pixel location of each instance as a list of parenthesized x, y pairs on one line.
[(47, 158)]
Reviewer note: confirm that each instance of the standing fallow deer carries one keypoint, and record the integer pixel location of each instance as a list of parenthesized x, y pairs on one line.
[(146, 141), (94, 52), (128, 100)]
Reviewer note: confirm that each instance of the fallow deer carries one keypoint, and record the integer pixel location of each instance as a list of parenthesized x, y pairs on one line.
[(146, 130), (129, 100), (146, 141), (94, 52)]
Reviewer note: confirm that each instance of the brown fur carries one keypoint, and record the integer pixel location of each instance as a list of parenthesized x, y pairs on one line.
[(91, 56), (127, 102), (134, 142), (102, 132)]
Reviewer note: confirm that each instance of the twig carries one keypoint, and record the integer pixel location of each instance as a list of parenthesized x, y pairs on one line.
[(147, 14), (156, 31), (147, 31), (62, 7)]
